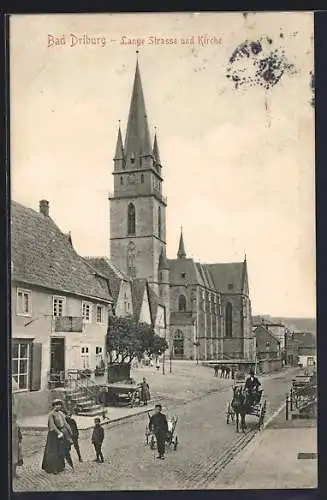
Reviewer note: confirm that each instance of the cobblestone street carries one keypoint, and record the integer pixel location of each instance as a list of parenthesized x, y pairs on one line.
[(205, 443)]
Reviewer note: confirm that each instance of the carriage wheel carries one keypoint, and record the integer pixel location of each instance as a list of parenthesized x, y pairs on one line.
[(175, 443), (262, 414), (152, 443)]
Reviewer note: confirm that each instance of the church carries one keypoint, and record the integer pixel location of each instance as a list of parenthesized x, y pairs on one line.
[(207, 306)]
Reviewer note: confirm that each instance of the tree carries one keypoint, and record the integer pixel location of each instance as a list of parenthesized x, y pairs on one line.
[(128, 338)]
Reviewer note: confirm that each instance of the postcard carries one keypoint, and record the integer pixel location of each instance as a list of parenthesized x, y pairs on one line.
[(163, 251)]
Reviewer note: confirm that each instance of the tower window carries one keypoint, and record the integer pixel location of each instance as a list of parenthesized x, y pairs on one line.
[(132, 158), (182, 303), (183, 275), (229, 320), (160, 275), (131, 219), (140, 162), (159, 222), (121, 180), (131, 257), (230, 286), (142, 178)]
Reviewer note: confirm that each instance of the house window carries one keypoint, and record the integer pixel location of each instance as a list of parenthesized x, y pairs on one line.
[(229, 320), (142, 178), (24, 302), (99, 357), (100, 314), (159, 222), (131, 219), (21, 363), (87, 312), (182, 303), (85, 357), (131, 256), (178, 344), (58, 306)]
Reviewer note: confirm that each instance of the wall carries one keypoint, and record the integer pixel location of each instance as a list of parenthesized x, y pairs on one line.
[(43, 328), (124, 304)]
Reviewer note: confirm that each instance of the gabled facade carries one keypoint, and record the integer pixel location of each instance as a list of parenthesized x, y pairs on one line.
[(60, 307), (120, 285)]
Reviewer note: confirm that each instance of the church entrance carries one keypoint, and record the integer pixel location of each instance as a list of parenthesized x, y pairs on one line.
[(178, 344)]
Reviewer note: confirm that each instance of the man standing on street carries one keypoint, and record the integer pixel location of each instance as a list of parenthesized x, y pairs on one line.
[(159, 426), (97, 440), (75, 433)]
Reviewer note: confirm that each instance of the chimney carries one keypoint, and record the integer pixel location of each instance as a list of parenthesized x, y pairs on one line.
[(44, 207)]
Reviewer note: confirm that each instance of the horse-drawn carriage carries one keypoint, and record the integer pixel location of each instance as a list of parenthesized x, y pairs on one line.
[(171, 437), (245, 403)]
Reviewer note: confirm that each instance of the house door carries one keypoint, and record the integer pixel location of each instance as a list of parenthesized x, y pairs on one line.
[(57, 349)]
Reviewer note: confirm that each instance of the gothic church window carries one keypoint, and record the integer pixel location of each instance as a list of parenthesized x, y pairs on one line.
[(159, 222), (131, 219), (182, 303), (229, 320), (142, 178), (131, 256)]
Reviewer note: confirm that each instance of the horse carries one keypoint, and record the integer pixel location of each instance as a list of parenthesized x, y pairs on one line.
[(240, 406)]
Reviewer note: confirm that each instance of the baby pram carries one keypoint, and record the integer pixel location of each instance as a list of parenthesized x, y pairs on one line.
[(171, 438)]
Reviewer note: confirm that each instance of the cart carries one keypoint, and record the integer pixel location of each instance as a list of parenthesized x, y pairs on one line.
[(171, 437)]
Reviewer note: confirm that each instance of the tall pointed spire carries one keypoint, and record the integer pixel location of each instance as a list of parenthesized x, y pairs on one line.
[(181, 254), (119, 154), (137, 141), (155, 150)]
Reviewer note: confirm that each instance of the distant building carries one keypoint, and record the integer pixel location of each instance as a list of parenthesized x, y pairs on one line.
[(60, 307), (306, 348), (268, 350)]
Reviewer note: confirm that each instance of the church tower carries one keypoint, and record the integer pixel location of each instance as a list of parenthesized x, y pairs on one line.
[(137, 205)]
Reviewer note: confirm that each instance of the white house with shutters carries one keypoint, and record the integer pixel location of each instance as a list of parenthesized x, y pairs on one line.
[(60, 307)]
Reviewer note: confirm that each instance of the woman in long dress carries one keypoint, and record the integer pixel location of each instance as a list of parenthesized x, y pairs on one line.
[(59, 441)]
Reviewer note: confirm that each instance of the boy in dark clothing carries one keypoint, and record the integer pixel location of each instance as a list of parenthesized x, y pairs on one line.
[(97, 440), (159, 426), (75, 433)]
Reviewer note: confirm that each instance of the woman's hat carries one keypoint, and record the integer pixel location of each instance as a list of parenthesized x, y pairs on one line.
[(57, 402)]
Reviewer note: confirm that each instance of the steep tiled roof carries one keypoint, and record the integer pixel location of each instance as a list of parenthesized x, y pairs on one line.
[(306, 339), (114, 275), (187, 266), (138, 288), (43, 256), (261, 329), (227, 274)]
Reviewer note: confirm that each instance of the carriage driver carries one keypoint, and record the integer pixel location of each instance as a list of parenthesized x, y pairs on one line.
[(252, 385)]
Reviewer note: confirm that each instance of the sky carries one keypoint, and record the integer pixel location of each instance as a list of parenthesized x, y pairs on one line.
[(238, 163)]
